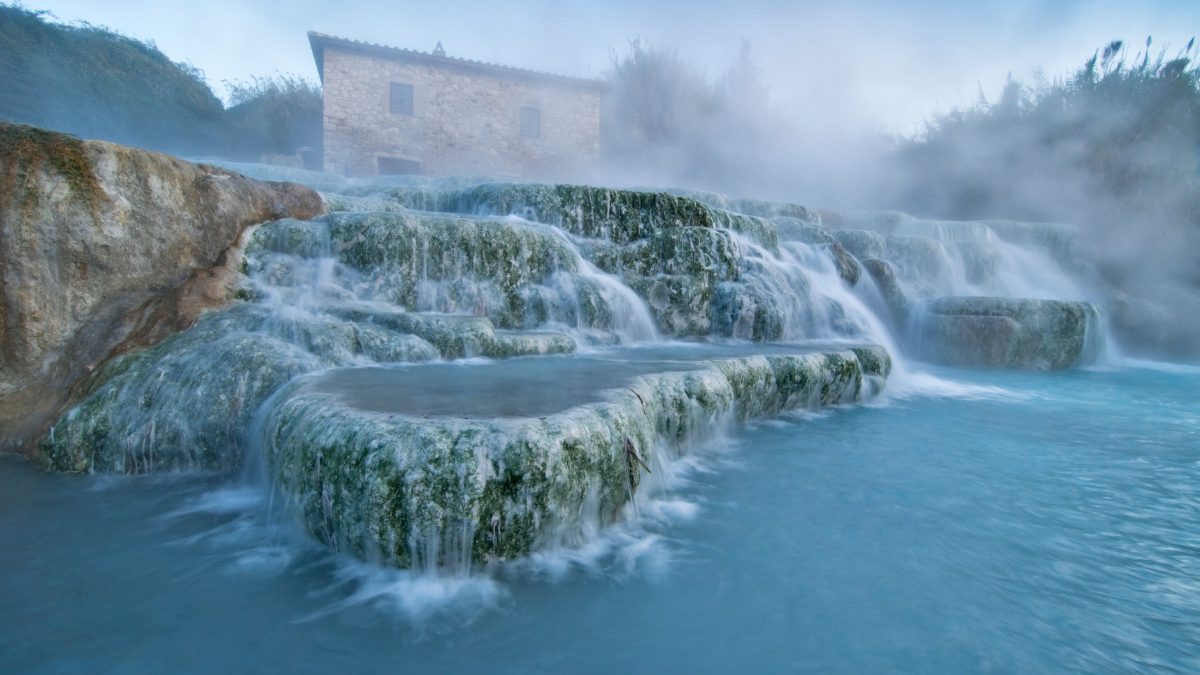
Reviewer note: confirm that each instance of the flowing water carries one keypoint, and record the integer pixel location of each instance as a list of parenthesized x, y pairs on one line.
[(1027, 523), (964, 520)]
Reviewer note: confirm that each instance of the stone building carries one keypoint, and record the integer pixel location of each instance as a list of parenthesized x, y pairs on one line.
[(390, 110)]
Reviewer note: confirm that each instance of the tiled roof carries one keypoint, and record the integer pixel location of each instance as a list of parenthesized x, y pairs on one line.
[(320, 41)]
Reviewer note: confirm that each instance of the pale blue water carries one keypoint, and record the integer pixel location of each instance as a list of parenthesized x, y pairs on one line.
[(1049, 524), (524, 387)]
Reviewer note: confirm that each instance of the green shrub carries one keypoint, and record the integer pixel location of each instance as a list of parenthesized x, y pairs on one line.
[(278, 115)]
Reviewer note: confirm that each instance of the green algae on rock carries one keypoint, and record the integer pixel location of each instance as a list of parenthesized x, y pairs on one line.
[(186, 402), (518, 274), (796, 229), (696, 280), (619, 216), (1010, 333), (416, 492), (698, 264)]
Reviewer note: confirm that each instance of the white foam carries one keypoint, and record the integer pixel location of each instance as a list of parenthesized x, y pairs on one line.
[(417, 597), (917, 384), (224, 500), (1160, 366)]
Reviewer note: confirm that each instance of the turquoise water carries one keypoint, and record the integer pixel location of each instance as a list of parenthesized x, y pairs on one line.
[(1024, 523)]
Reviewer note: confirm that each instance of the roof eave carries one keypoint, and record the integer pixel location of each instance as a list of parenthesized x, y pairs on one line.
[(321, 41), (318, 50)]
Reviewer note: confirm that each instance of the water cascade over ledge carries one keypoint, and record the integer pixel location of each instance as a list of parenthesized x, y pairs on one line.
[(359, 366)]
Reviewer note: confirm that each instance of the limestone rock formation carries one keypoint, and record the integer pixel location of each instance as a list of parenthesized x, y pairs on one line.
[(1010, 333), (105, 248), (883, 273), (396, 286), (809, 232), (702, 269), (413, 491)]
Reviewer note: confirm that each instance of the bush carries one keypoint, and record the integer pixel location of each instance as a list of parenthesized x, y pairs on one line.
[(278, 115)]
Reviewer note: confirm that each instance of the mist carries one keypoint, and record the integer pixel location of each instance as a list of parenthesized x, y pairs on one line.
[(853, 108), (576, 336)]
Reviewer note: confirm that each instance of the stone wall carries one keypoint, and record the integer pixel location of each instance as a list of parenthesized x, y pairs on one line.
[(463, 121)]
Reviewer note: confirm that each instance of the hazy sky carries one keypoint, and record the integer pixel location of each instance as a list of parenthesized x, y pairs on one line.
[(880, 64)]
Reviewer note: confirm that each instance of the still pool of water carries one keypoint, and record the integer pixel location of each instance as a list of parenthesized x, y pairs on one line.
[(1030, 523), (524, 387)]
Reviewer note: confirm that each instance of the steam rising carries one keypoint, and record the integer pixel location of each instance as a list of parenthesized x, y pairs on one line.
[(940, 109)]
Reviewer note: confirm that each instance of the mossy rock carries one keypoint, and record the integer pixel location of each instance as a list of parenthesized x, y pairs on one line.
[(1010, 333), (420, 492)]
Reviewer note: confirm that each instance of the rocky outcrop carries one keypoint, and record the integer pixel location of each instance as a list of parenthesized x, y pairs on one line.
[(105, 248), (1010, 333)]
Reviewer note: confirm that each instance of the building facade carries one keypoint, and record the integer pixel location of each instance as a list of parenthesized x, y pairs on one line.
[(390, 111)]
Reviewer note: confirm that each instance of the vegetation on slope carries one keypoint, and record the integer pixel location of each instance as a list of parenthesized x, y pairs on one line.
[(1113, 147), (90, 81)]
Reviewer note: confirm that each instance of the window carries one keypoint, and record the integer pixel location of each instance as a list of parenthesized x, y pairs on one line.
[(531, 122), (400, 102), (393, 166)]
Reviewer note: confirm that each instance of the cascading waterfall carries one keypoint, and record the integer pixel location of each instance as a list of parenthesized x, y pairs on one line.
[(955, 267), (313, 309), (630, 320), (811, 299), (383, 288), (983, 263), (410, 419)]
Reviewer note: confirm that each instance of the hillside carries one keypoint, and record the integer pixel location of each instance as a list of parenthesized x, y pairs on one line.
[(90, 81)]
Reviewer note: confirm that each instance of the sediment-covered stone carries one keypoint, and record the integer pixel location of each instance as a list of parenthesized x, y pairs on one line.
[(695, 279), (518, 274), (619, 216), (186, 402), (1010, 333), (796, 229), (457, 337), (417, 492), (883, 273)]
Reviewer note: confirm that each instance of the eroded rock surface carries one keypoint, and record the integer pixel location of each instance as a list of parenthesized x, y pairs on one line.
[(105, 248)]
